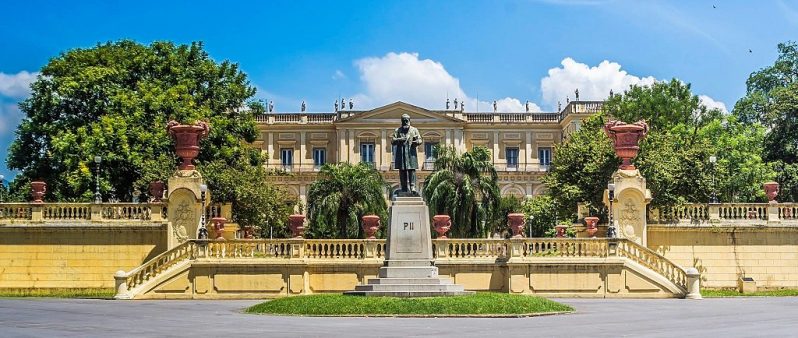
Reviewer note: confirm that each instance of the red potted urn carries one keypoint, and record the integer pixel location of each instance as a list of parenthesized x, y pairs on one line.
[(156, 189), (187, 138), (561, 230), (516, 222), (772, 190), (626, 140), (442, 225), (249, 232), (218, 226), (371, 223), (296, 223), (37, 190), (592, 228)]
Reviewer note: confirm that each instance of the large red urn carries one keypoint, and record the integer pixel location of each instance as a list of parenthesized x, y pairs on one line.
[(156, 189), (516, 221), (37, 190), (771, 190), (442, 225), (626, 140), (371, 223), (592, 228), (187, 138), (218, 227), (296, 223)]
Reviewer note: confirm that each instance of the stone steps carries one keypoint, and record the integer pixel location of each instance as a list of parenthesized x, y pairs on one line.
[(399, 281)]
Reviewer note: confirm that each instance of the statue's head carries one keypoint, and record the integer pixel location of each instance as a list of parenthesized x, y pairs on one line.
[(405, 120)]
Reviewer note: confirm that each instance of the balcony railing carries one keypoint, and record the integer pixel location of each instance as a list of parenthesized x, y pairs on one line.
[(24, 213), (735, 213)]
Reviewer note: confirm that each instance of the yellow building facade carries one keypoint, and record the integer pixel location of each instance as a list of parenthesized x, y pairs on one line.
[(521, 143)]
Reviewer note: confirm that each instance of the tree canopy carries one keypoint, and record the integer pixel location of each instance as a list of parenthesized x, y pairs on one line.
[(771, 100), (114, 100)]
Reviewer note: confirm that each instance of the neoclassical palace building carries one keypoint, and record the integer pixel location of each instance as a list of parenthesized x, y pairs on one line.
[(522, 144)]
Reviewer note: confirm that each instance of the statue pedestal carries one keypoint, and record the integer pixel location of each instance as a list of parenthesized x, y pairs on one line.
[(184, 206), (629, 205), (408, 270)]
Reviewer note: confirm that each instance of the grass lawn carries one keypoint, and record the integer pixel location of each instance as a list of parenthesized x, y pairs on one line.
[(735, 293), (486, 303), (58, 293)]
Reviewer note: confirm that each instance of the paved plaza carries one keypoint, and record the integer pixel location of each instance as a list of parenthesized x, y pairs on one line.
[(737, 317)]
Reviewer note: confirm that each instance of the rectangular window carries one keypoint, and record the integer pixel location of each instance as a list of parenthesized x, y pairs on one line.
[(512, 158), (319, 157), (544, 156), (287, 158), (429, 150), (367, 153)]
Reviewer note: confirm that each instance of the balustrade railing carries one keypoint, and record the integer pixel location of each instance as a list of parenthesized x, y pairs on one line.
[(15, 211), (66, 212), (81, 212), (743, 213), (469, 248), (126, 212), (653, 261), (148, 270), (565, 247)]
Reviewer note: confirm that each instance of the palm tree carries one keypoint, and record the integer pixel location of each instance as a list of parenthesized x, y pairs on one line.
[(341, 196), (464, 187)]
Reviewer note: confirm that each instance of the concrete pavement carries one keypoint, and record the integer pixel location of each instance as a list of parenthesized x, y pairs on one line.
[(730, 317)]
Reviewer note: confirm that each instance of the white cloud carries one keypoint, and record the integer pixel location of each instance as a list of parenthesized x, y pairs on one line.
[(422, 82), (711, 103), (594, 83), (16, 85), (10, 116), (338, 75)]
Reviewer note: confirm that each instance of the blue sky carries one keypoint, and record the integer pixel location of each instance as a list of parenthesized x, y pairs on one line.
[(420, 51)]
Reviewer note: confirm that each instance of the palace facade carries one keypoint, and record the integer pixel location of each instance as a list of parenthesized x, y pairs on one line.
[(522, 144)]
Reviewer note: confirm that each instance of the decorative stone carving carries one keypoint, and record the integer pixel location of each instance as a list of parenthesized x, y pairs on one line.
[(38, 189), (156, 190), (296, 223), (630, 220), (626, 138), (771, 190), (371, 223), (187, 139), (185, 216), (629, 205), (442, 224), (516, 222)]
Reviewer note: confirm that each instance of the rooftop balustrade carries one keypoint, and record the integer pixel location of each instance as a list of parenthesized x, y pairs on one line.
[(726, 213)]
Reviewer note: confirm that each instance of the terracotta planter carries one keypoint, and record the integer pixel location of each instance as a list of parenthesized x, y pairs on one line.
[(371, 223), (187, 138), (218, 227), (561, 230), (37, 190), (442, 225), (516, 222), (249, 232), (592, 228), (772, 190), (626, 140), (156, 190), (296, 223)]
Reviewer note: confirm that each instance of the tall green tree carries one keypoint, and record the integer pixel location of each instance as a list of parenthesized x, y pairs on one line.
[(341, 196), (114, 100), (772, 101), (464, 187)]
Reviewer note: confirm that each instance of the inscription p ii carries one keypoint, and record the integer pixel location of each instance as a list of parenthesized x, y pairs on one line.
[(408, 226)]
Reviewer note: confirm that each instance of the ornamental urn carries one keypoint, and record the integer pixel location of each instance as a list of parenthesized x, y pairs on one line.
[(218, 227), (187, 138), (156, 189), (442, 224), (771, 190), (37, 190), (626, 139), (296, 223), (371, 223), (516, 222), (591, 223), (561, 230)]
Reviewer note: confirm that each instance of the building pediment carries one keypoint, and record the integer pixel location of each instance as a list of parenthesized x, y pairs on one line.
[(392, 113)]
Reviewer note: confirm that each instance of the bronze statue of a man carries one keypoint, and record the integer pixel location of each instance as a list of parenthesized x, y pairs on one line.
[(405, 140)]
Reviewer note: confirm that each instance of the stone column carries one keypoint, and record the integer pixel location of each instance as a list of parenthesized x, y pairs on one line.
[(302, 150), (629, 205)]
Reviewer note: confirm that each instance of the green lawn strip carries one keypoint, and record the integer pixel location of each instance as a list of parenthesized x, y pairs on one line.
[(478, 304), (736, 293), (59, 293)]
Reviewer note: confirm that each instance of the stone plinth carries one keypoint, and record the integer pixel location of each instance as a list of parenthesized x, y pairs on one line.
[(629, 205), (184, 199), (408, 269)]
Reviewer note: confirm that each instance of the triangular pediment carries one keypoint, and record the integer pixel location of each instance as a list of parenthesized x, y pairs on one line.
[(392, 114)]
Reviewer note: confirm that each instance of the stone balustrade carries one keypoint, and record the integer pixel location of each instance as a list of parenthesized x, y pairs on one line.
[(32, 213), (727, 213)]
